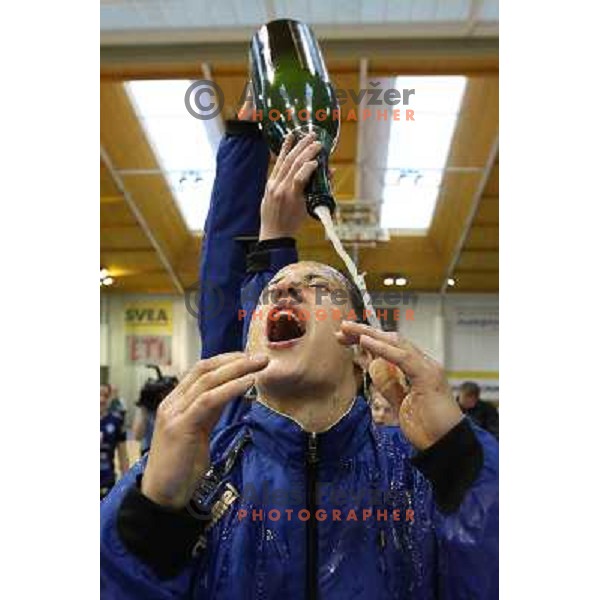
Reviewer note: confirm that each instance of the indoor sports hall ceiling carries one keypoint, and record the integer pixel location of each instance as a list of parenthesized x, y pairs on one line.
[(147, 242)]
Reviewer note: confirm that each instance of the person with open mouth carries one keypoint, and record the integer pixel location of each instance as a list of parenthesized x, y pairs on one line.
[(169, 528)]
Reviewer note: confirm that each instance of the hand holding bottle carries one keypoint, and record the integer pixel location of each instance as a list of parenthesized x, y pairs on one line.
[(283, 207)]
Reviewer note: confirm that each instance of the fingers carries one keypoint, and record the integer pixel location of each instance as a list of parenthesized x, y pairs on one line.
[(288, 142), (204, 366), (404, 359), (347, 339), (306, 149), (388, 345), (303, 175), (246, 112), (216, 398), (355, 330), (227, 372)]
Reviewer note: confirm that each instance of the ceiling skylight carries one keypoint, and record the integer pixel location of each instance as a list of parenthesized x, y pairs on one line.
[(418, 151), (185, 147)]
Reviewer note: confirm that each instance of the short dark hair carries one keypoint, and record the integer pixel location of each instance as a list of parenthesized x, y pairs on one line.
[(470, 388)]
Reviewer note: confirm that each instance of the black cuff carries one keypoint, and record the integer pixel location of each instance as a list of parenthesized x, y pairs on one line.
[(242, 128), (259, 258), (162, 538), (452, 465)]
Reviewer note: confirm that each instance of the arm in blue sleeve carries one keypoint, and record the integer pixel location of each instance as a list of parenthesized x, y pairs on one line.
[(123, 574), (464, 471), (242, 163)]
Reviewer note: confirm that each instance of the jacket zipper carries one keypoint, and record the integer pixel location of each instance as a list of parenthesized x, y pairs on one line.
[(312, 564)]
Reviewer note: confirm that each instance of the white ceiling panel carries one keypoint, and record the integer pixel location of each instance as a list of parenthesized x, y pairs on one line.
[(373, 12), (149, 15), (453, 10), (321, 12), (489, 10), (399, 10), (423, 10), (250, 13)]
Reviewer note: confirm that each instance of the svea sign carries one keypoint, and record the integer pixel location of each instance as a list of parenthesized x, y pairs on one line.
[(149, 328)]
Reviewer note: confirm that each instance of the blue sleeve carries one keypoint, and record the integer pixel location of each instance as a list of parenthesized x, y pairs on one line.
[(242, 163), (468, 540), (123, 576)]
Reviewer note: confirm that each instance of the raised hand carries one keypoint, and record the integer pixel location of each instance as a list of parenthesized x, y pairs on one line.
[(179, 454), (283, 207), (426, 408)]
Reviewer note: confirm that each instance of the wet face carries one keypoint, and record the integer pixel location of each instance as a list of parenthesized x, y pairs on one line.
[(104, 397), (300, 311), (381, 409)]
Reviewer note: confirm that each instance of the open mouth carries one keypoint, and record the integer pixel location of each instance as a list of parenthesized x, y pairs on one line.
[(284, 327)]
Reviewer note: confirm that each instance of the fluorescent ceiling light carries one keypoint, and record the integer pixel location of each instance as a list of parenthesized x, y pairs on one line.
[(185, 147), (418, 150)]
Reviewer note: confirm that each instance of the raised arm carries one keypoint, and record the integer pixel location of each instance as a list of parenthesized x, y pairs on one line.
[(282, 212), (242, 163)]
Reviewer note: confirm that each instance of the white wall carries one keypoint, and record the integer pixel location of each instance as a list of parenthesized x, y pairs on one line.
[(460, 331), (130, 378), (472, 340)]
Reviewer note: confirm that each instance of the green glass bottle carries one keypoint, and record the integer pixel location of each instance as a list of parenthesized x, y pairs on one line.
[(293, 93)]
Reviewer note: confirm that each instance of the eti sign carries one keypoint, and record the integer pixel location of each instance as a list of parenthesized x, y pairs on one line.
[(148, 332)]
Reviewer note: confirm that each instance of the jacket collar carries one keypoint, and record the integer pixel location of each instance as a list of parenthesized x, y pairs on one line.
[(281, 435)]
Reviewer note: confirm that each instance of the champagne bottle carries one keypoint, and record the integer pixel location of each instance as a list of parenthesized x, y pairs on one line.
[(293, 93)]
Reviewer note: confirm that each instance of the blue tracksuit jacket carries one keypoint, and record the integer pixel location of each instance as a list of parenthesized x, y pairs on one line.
[(350, 513)]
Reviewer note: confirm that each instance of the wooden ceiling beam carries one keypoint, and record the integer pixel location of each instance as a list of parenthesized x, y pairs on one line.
[(480, 260), (124, 147), (483, 238), (466, 56), (475, 144), (470, 281)]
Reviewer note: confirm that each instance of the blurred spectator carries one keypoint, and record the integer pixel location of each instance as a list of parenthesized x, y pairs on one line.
[(112, 437), (382, 411), (116, 404), (151, 395), (482, 413)]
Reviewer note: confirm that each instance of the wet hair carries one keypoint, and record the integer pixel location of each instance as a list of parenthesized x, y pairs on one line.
[(358, 306), (470, 388), (356, 300), (354, 295)]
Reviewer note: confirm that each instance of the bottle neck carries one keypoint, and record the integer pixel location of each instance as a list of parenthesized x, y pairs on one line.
[(318, 191)]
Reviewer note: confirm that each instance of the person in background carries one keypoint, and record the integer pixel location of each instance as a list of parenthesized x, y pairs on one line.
[(143, 427), (151, 395), (116, 404), (112, 437), (381, 409), (483, 413)]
